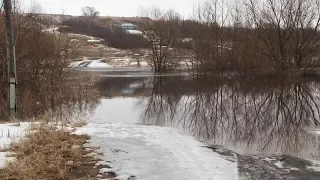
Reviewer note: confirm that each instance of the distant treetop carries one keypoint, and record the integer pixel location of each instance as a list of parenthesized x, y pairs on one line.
[(90, 12)]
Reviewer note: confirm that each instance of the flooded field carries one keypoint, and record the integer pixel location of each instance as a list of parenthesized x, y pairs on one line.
[(269, 116), (260, 128)]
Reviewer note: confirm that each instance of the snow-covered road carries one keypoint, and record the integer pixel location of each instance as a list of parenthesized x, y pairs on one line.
[(157, 153)]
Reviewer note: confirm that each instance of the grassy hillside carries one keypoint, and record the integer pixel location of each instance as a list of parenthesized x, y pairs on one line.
[(106, 21)]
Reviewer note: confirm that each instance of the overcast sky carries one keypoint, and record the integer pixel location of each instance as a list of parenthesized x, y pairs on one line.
[(113, 7)]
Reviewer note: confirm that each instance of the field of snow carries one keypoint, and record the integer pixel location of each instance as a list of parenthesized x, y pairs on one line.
[(157, 153), (98, 63), (90, 64)]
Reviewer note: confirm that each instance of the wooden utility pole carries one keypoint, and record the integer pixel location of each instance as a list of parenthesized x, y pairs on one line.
[(11, 59)]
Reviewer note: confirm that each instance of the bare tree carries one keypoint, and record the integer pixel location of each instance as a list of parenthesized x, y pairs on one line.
[(42, 57), (163, 31), (214, 42), (288, 31), (89, 11), (257, 36)]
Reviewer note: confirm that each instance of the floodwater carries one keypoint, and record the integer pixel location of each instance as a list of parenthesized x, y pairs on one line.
[(263, 116)]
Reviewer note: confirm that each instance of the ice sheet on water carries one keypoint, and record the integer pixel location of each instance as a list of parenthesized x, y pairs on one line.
[(157, 153)]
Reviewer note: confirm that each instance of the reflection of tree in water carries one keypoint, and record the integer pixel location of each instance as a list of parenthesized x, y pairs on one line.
[(161, 106), (252, 115)]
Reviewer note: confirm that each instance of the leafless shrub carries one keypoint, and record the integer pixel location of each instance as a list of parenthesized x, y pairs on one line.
[(257, 36), (288, 31), (42, 61), (163, 31), (89, 11)]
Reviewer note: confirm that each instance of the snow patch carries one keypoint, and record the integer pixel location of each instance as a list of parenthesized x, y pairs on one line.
[(279, 164), (5, 158), (9, 133), (90, 64), (51, 30), (98, 64), (315, 167), (294, 169), (134, 32), (134, 64), (2, 159), (269, 159), (77, 63), (144, 64), (94, 40), (316, 131)]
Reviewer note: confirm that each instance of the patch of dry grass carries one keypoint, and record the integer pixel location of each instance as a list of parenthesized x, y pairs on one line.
[(3, 149), (78, 124), (49, 154)]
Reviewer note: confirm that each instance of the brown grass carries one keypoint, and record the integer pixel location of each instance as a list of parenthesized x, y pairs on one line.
[(79, 124), (52, 154)]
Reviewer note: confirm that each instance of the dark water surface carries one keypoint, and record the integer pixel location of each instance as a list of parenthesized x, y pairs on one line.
[(249, 116)]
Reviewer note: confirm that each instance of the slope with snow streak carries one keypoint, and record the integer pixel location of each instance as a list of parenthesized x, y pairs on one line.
[(157, 153)]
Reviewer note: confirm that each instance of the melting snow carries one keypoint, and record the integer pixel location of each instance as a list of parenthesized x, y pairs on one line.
[(9, 133), (314, 168), (269, 159), (144, 64), (98, 64), (90, 63), (279, 164), (157, 153), (95, 40), (134, 64), (2, 159), (294, 169), (135, 32)]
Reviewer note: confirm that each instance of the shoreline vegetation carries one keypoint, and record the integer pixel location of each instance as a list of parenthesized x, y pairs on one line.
[(283, 38)]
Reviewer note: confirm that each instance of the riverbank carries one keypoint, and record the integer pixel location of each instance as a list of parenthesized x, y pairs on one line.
[(135, 151), (277, 167)]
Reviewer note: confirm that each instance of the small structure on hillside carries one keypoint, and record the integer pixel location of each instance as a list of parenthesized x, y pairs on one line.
[(124, 27), (128, 26)]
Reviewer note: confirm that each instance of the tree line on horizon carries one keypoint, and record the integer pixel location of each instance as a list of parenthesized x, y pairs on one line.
[(268, 36), (251, 37)]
